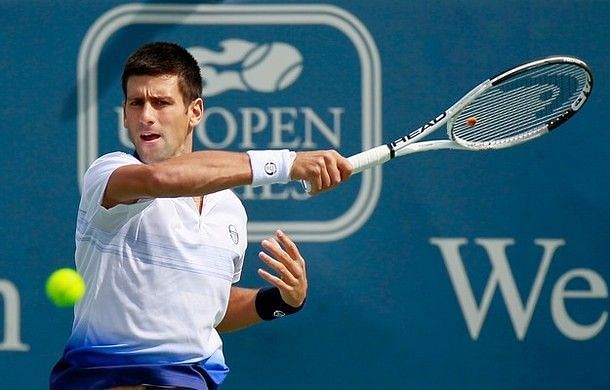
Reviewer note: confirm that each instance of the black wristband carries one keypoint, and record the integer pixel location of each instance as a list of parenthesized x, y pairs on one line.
[(270, 305)]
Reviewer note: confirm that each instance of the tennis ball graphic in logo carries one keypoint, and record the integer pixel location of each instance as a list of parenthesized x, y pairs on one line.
[(247, 66), (271, 67)]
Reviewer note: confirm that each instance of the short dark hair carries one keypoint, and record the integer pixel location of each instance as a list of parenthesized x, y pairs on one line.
[(165, 58)]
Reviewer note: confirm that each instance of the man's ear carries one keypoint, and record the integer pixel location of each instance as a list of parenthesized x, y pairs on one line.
[(195, 112), (124, 114)]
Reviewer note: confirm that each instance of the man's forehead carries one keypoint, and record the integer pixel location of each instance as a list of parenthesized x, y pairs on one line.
[(156, 85)]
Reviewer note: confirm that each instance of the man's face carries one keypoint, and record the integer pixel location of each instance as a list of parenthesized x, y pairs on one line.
[(159, 122)]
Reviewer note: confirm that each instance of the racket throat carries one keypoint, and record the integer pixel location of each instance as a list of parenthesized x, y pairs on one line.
[(416, 134), (392, 150)]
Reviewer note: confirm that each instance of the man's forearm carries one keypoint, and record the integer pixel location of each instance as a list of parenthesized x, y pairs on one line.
[(241, 311)]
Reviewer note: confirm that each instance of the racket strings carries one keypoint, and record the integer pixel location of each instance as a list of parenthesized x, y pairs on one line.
[(503, 115), (504, 121), (516, 115), (520, 107)]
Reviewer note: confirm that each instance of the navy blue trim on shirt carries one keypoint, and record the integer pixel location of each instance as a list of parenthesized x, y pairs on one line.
[(184, 376)]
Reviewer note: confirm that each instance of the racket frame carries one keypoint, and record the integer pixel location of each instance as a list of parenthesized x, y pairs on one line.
[(408, 144)]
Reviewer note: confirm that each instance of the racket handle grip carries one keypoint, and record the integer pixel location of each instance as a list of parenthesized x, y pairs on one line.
[(369, 158), (361, 161)]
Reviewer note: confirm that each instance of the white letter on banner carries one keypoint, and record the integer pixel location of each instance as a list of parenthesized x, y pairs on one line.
[(279, 126), (312, 120), (562, 319), (254, 120), (501, 276), (12, 318), (230, 128)]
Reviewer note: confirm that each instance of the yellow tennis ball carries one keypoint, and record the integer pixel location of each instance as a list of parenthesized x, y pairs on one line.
[(65, 287)]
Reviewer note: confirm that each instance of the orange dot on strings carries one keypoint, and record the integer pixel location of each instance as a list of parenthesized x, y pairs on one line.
[(471, 121)]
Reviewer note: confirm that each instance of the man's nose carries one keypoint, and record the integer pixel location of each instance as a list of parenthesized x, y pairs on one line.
[(147, 116)]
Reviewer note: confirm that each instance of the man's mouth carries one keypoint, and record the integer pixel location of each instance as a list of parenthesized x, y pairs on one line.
[(149, 137)]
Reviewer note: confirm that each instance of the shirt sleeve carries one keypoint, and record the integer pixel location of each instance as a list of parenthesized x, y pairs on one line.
[(94, 186), (237, 266)]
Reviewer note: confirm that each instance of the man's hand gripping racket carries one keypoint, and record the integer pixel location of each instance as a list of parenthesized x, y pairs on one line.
[(514, 107)]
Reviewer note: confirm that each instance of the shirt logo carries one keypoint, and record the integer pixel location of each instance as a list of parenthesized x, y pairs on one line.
[(233, 234)]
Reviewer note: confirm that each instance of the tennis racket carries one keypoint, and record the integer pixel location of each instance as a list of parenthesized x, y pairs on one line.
[(516, 106)]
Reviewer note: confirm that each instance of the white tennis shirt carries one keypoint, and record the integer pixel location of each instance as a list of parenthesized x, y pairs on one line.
[(158, 275)]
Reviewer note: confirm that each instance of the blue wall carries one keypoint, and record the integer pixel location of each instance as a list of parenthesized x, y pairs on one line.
[(526, 228)]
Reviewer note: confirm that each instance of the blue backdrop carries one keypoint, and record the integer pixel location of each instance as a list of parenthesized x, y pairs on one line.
[(443, 270)]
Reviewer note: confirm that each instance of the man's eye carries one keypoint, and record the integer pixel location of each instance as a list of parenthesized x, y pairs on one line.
[(135, 103)]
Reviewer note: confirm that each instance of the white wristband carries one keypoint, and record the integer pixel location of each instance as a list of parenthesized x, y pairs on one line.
[(271, 166)]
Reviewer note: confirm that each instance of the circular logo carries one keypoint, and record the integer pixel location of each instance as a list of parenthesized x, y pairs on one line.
[(270, 168)]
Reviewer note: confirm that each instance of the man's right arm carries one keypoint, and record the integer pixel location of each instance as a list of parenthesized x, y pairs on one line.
[(191, 174), (204, 172)]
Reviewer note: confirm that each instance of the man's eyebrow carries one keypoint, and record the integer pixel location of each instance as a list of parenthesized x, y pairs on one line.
[(155, 97), (162, 97)]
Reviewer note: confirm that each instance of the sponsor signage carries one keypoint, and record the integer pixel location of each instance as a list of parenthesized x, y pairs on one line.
[(302, 77)]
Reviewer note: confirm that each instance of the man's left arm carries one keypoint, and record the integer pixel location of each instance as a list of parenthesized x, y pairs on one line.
[(250, 306)]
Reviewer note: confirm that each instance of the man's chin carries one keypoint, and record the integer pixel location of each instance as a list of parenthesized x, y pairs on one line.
[(149, 158), (151, 152)]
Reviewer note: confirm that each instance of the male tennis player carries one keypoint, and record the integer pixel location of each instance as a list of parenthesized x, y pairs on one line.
[(160, 239)]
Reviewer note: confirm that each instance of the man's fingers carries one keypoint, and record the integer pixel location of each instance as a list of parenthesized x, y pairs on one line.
[(285, 259), (283, 270), (273, 280), (281, 261), (322, 169), (345, 168), (289, 246)]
